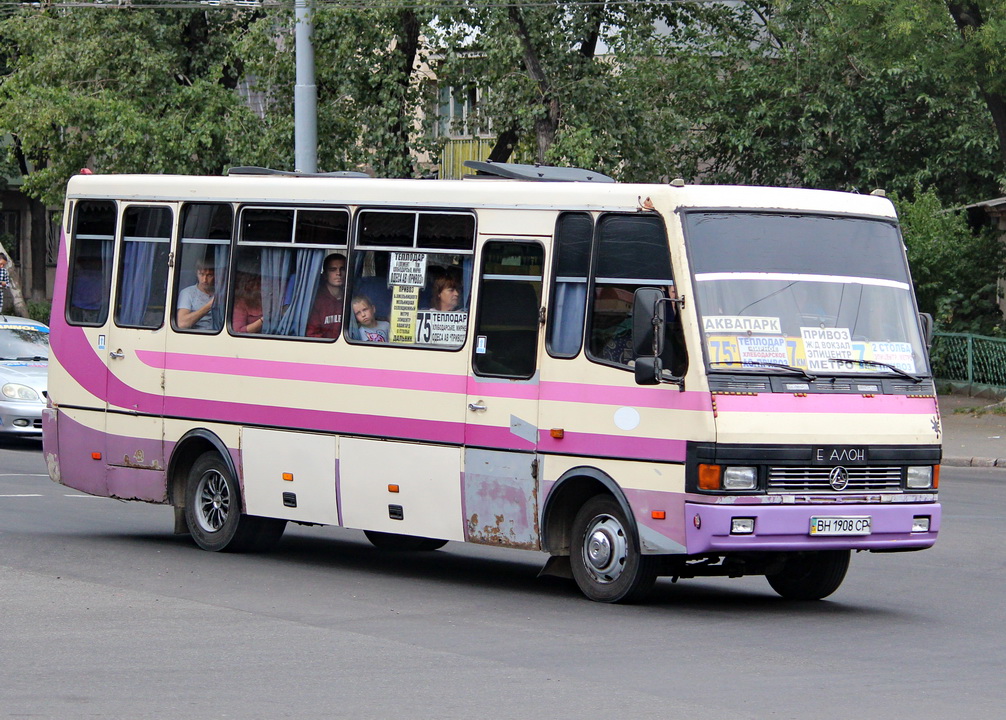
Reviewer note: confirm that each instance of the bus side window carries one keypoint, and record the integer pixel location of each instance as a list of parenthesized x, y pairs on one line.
[(632, 252), (279, 266), (569, 296), (91, 269), (411, 278), (143, 271), (506, 329), (201, 270)]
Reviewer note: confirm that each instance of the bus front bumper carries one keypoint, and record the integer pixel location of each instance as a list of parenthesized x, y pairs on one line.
[(738, 528)]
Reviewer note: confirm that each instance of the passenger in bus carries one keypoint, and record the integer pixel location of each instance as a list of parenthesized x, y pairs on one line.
[(196, 301), (247, 317), (325, 320), (446, 293), (370, 328)]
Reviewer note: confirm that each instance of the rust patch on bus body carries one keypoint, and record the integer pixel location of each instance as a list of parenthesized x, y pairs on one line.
[(137, 462), (501, 500)]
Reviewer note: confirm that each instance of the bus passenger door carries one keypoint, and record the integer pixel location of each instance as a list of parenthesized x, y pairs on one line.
[(134, 352), (501, 432)]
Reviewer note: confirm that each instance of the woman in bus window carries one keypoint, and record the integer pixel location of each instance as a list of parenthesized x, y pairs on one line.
[(446, 293), (247, 316)]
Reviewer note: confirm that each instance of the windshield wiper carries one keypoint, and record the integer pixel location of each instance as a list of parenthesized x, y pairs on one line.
[(34, 358), (794, 370), (895, 368)]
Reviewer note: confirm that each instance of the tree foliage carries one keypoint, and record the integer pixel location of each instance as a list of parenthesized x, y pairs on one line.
[(955, 267), (849, 95)]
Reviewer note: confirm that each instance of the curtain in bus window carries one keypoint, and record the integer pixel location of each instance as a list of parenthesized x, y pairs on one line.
[(277, 274), (143, 276), (570, 300), (220, 255), (307, 270), (137, 262)]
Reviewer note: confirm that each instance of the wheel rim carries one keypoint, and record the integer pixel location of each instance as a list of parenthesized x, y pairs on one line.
[(213, 501), (604, 549)]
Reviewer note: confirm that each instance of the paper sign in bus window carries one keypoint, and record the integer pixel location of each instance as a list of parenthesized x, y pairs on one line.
[(407, 268), (441, 328), (820, 344), (404, 301), (763, 349), (741, 323), (898, 354)]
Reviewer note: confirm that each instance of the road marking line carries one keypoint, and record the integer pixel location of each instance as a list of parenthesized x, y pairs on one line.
[(32, 495), (24, 475), (99, 497)]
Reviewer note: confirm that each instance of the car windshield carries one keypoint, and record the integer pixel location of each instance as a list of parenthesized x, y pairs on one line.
[(23, 342), (804, 293)]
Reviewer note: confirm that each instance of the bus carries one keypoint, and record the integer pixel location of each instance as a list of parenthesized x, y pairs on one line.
[(635, 380)]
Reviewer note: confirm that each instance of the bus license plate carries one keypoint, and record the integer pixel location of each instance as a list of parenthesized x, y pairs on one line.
[(840, 525)]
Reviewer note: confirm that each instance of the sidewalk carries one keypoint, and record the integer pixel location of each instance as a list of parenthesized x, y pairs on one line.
[(971, 440)]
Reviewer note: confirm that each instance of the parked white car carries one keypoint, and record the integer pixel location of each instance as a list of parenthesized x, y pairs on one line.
[(24, 367)]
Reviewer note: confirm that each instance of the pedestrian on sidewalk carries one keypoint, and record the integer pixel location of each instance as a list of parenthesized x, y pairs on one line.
[(4, 278)]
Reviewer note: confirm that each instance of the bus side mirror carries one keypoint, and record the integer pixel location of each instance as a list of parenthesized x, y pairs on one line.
[(927, 327), (648, 318)]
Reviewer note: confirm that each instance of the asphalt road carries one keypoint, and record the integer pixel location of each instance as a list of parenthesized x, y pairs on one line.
[(105, 614)]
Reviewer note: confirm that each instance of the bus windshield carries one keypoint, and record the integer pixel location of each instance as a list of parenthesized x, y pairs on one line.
[(811, 294)]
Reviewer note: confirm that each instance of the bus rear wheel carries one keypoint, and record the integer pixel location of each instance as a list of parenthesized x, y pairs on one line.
[(811, 575), (403, 543), (213, 511), (607, 566)]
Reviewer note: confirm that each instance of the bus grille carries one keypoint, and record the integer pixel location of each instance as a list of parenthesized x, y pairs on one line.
[(816, 479)]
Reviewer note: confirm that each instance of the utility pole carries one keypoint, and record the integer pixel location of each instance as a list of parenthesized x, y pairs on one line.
[(305, 94)]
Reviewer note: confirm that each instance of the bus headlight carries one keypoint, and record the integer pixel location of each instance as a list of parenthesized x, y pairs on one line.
[(16, 391), (920, 477), (740, 478)]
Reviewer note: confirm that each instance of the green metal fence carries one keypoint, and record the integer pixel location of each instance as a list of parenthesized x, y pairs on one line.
[(971, 359)]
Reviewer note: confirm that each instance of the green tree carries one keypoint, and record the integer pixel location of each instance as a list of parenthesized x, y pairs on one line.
[(955, 267), (121, 90), (843, 95), (369, 68)]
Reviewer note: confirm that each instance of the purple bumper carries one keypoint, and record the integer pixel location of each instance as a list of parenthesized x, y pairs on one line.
[(787, 527)]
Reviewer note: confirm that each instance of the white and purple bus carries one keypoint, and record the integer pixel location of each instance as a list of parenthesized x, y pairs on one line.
[(635, 380)]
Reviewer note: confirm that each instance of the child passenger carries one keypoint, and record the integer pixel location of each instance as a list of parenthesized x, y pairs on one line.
[(370, 328)]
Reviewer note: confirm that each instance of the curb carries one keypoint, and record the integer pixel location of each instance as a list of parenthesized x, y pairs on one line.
[(974, 462)]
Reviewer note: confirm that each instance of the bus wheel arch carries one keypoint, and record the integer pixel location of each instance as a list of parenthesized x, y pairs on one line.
[(569, 493)]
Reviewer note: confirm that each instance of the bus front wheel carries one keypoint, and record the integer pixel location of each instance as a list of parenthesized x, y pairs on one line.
[(810, 576), (607, 566), (213, 511)]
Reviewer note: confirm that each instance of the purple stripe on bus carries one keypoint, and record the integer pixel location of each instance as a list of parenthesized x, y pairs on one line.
[(826, 403), (787, 527), (495, 437), (665, 396), (316, 372), (615, 446)]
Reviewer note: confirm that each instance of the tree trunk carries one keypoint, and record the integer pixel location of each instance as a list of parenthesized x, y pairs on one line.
[(969, 19), (547, 124)]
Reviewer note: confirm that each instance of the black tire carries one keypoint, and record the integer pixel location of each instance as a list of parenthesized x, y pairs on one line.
[(606, 563), (213, 511), (811, 575), (403, 543)]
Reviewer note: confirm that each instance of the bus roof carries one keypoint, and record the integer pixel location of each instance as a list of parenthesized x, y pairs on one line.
[(478, 193)]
